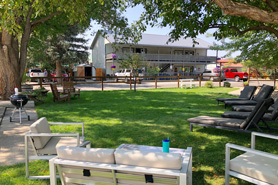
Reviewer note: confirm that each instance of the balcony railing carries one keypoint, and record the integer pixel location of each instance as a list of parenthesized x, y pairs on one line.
[(165, 57)]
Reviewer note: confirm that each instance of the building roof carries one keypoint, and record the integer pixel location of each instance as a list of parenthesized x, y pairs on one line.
[(161, 41), (229, 63)]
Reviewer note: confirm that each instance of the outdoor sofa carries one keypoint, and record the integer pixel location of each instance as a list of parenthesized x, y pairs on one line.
[(246, 94), (130, 167), (232, 123), (263, 93)]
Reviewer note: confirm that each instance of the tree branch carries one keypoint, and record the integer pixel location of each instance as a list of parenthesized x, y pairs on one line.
[(272, 5), (256, 28), (39, 21), (230, 7)]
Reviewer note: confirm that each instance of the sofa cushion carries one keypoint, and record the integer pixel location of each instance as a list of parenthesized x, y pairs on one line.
[(255, 166), (96, 155), (54, 142), (40, 126), (148, 159)]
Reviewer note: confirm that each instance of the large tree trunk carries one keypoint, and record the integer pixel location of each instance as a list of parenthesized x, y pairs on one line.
[(9, 69), (13, 61)]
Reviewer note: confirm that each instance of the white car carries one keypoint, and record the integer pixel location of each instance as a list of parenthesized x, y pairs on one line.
[(211, 75), (124, 74), (33, 73)]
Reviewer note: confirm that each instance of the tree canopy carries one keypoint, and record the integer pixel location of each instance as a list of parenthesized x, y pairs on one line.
[(189, 18), (22, 18), (259, 48)]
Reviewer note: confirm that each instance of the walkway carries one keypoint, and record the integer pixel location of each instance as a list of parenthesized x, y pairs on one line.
[(12, 133)]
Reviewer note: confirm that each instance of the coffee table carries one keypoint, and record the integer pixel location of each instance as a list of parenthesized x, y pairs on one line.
[(185, 153)]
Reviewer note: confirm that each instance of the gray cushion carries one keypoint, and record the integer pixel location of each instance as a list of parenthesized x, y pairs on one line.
[(248, 92), (217, 121), (40, 126), (96, 155), (241, 102), (148, 159), (244, 115), (264, 93), (258, 167)]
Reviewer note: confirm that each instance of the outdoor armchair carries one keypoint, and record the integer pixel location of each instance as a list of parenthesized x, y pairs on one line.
[(44, 142), (232, 123), (69, 87), (253, 165), (246, 94), (263, 93), (58, 96)]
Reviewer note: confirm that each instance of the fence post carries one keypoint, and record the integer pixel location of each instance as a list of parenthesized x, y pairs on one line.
[(178, 80), (200, 80), (220, 75), (130, 87), (40, 79), (248, 75), (156, 82), (101, 83), (275, 78)]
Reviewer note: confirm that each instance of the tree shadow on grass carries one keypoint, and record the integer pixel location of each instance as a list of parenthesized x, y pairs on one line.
[(148, 116)]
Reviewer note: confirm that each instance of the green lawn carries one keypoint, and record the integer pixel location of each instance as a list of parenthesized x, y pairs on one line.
[(146, 117)]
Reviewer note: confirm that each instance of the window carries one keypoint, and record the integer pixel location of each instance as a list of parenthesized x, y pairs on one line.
[(189, 53), (178, 52), (127, 50), (233, 70)]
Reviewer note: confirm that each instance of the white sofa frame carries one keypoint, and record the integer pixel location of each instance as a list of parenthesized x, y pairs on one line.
[(184, 176), (230, 146), (29, 135)]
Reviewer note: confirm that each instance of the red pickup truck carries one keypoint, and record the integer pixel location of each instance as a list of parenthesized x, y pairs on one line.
[(233, 73)]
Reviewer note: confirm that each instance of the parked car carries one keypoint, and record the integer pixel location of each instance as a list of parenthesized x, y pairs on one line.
[(64, 74), (124, 74), (35, 72), (232, 73), (213, 75)]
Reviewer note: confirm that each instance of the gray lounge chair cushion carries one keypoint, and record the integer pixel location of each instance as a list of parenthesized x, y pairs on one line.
[(231, 99), (241, 102), (264, 93), (244, 115), (217, 121), (256, 166), (245, 94)]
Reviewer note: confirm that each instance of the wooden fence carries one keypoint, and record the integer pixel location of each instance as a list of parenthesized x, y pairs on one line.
[(156, 79)]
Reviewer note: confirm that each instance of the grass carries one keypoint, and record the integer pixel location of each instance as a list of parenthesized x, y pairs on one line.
[(146, 117)]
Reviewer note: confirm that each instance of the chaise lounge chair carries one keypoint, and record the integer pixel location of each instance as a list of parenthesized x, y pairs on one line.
[(246, 94), (271, 115), (249, 108), (264, 93), (232, 123)]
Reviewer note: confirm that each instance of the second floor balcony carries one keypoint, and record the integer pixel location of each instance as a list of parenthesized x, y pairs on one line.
[(162, 58)]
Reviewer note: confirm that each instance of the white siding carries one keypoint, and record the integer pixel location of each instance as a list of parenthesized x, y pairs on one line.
[(98, 53)]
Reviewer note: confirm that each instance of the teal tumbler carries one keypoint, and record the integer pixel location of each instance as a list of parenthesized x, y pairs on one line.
[(166, 145)]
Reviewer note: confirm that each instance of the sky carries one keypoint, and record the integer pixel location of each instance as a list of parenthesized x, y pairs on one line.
[(133, 14)]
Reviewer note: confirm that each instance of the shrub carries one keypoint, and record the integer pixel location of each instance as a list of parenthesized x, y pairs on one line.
[(209, 84), (227, 84)]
